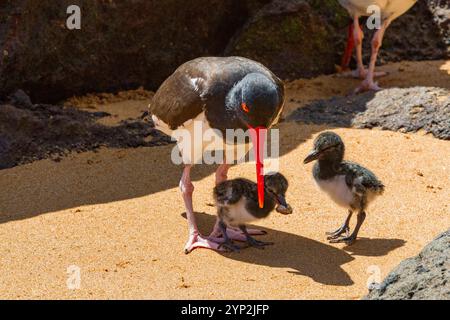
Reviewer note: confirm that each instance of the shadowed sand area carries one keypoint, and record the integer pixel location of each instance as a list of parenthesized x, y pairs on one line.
[(118, 215)]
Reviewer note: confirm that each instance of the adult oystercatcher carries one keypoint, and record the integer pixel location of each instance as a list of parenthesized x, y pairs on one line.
[(221, 94), (348, 184), (237, 204), (389, 11)]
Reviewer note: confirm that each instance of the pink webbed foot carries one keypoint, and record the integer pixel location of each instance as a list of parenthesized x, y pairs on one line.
[(368, 86), (363, 74), (198, 241), (357, 74), (232, 234), (235, 234), (256, 232), (252, 232)]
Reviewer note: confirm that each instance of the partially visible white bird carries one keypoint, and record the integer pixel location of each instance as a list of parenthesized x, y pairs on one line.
[(389, 11)]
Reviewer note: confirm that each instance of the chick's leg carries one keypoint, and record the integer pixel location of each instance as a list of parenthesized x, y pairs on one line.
[(252, 242), (343, 229)]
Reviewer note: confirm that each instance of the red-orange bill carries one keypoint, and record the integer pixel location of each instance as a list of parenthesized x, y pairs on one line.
[(258, 136)]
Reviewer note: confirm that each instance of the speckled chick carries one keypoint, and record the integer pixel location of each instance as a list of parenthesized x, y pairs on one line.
[(348, 184), (237, 205)]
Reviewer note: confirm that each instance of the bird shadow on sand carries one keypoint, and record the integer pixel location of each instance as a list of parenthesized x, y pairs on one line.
[(299, 255), (113, 176), (106, 176), (374, 247)]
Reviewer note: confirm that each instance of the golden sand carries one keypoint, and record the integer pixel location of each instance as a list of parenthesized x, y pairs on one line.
[(117, 215)]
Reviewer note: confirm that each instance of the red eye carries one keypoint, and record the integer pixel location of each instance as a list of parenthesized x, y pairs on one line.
[(245, 108)]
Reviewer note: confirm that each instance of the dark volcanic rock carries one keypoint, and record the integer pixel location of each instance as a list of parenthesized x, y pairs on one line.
[(126, 44), (425, 277), (121, 44), (409, 110), (337, 111), (405, 110), (441, 13), (294, 38), (417, 35), (37, 131), (304, 38), (20, 98)]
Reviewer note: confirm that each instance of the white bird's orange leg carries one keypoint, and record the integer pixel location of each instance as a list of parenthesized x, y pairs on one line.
[(368, 83), (362, 72), (358, 36)]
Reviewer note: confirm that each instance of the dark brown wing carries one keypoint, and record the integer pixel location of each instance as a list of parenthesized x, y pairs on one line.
[(202, 83), (179, 98)]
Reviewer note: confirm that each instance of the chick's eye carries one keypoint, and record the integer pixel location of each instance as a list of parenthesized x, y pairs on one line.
[(245, 107)]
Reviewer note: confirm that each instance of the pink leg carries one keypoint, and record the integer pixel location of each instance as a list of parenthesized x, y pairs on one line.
[(195, 239), (368, 83), (222, 173), (358, 36), (221, 176)]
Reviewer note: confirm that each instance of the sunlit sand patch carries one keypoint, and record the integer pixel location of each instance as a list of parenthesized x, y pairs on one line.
[(117, 214), (401, 74), (446, 67), (96, 210), (125, 105)]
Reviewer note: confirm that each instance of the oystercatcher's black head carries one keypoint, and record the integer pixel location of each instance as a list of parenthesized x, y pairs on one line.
[(255, 101), (276, 185), (327, 146)]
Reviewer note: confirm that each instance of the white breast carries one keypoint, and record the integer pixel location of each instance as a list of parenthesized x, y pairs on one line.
[(337, 189), (359, 7), (238, 214), (396, 8), (194, 138), (390, 9)]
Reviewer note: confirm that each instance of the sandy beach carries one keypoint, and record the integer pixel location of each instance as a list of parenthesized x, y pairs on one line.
[(117, 214)]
